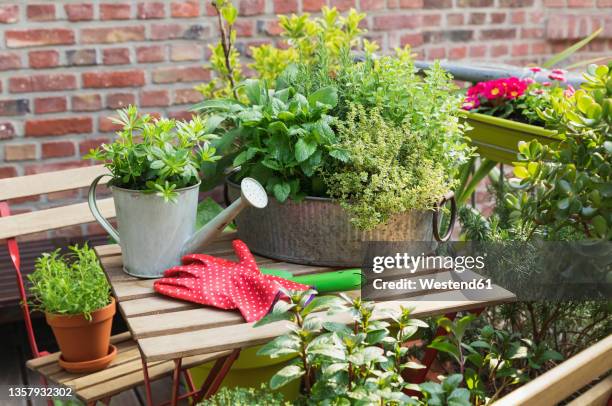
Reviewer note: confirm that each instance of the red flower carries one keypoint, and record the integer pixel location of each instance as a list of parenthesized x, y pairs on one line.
[(476, 90), (494, 89), (535, 69), (515, 87)]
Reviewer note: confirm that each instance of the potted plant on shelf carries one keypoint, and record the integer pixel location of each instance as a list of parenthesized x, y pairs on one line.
[(74, 294), (307, 137), (154, 165)]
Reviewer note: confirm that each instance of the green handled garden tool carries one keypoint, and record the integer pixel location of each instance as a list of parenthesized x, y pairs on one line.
[(337, 281)]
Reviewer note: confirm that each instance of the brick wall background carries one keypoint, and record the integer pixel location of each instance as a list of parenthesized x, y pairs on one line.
[(65, 65)]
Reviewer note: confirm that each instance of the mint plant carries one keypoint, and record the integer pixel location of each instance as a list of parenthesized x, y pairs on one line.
[(157, 155), (73, 283), (282, 136), (342, 364)]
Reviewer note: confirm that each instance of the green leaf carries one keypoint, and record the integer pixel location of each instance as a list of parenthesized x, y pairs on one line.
[(240, 158), (304, 149), (521, 172), (281, 191), (286, 375), (271, 318), (340, 154), (272, 164), (229, 13), (252, 89), (326, 95), (566, 53), (600, 225), (446, 347), (563, 204), (320, 303), (549, 355), (283, 345)]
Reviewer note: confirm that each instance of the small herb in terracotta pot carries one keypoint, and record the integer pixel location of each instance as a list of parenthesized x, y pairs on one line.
[(73, 283), (73, 292)]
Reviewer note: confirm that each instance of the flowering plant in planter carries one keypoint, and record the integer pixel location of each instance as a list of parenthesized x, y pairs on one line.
[(517, 99)]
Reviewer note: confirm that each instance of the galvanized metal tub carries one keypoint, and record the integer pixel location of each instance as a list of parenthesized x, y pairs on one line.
[(317, 231)]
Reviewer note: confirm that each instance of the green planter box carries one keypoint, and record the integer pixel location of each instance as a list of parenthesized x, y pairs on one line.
[(497, 138)]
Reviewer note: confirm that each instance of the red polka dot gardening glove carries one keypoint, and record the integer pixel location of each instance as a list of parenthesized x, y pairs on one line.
[(225, 284)]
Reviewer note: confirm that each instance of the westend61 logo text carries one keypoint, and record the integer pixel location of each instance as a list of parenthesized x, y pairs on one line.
[(411, 262)]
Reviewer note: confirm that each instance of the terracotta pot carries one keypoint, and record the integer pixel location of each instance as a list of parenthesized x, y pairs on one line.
[(80, 339)]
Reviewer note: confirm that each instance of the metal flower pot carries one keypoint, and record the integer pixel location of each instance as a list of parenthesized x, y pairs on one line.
[(317, 231)]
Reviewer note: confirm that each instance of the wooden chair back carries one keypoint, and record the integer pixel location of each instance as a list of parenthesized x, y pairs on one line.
[(58, 217)]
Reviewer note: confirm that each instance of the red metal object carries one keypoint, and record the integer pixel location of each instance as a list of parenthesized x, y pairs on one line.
[(215, 376), (13, 249), (147, 382), (176, 380)]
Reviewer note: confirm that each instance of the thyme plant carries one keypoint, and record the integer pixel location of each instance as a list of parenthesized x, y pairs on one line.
[(390, 169), (73, 283)]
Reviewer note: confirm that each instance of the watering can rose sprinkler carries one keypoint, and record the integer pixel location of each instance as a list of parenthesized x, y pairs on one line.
[(154, 234)]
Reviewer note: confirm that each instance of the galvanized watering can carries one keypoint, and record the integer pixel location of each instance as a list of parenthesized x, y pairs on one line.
[(154, 234)]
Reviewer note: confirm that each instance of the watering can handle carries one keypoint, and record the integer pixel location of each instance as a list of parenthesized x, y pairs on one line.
[(93, 207), (436, 231)]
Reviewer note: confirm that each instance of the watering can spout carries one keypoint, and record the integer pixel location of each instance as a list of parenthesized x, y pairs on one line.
[(251, 194)]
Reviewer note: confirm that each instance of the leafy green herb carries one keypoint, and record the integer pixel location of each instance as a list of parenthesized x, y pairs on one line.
[(69, 284), (339, 364), (493, 361), (284, 136), (157, 156)]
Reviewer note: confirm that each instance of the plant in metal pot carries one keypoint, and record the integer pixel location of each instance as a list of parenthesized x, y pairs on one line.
[(155, 169), (72, 290), (295, 138)]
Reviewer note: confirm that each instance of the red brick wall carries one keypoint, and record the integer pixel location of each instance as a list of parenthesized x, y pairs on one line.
[(65, 65)]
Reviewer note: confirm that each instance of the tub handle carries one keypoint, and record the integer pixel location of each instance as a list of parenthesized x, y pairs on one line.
[(450, 196)]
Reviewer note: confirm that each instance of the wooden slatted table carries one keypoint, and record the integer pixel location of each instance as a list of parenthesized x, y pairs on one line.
[(168, 329)]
